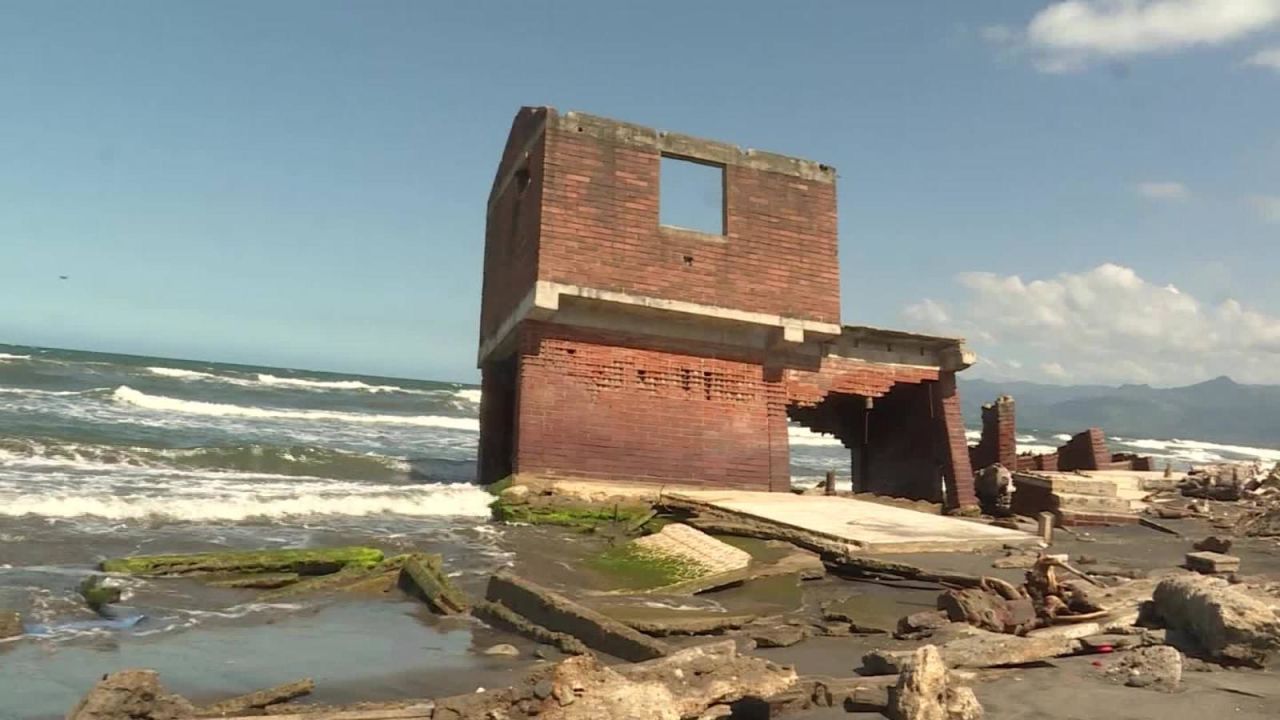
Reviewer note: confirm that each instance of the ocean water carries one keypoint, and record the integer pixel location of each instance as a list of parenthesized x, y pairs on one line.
[(106, 455)]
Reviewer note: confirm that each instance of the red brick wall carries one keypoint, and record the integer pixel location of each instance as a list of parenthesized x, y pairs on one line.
[(1086, 450), (600, 228), (1047, 462), (999, 436), (512, 224), (956, 467), (605, 406)]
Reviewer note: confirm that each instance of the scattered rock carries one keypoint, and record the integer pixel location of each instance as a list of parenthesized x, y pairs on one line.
[(703, 624), (1158, 667), (1212, 562), (503, 649), (131, 695), (1086, 560), (545, 652), (10, 624), (97, 594), (924, 693), (778, 636), (1226, 623), (921, 624), (1213, 543), (983, 609), (979, 649)]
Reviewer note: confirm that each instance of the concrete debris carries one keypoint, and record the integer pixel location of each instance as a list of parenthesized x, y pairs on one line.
[(10, 624), (1158, 667), (558, 613), (777, 635), (921, 624), (424, 576), (500, 616), (1215, 544), (701, 624), (259, 700), (1212, 563), (924, 691), (987, 610), (694, 547), (981, 649), (1227, 624), (1019, 561), (1077, 631), (131, 695)]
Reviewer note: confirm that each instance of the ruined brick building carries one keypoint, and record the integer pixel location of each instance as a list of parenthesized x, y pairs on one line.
[(613, 346)]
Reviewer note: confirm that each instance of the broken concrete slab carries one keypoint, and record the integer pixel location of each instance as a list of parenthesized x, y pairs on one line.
[(423, 576), (1225, 622), (678, 623), (803, 564), (921, 624), (979, 650), (500, 616), (855, 525), (1213, 543), (132, 694), (694, 547), (982, 609), (1075, 631), (774, 636), (558, 613), (1212, 562)]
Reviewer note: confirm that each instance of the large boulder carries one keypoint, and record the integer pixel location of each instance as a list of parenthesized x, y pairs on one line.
[(1225, 623), (131, 695), (925, 692)]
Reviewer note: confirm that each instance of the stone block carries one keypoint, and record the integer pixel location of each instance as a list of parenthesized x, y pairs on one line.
[(1212, 562)]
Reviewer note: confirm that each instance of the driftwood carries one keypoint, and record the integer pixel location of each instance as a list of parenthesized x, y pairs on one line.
[(260, 699)]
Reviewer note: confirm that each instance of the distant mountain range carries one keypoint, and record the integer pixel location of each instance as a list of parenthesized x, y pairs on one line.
[(1219, 410)]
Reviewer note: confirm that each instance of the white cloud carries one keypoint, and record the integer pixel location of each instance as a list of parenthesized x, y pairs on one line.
[(1110, 325), (926, 313), (1269, 58), (1069, 35), (1163, 190), (1267, 206)]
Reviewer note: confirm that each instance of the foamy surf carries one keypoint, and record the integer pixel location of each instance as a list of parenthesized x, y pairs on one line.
[(1199, 451), (6, 357), (805, 436), (245, 501), (268, 380), (127, 395)]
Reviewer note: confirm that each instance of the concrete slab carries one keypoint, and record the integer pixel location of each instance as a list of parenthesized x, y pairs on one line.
[(864, 526)]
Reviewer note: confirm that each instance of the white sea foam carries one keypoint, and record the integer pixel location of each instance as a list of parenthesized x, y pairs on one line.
[(471, 395), (1199, 451), (231, 502), (1036, 449), (269, 380), (1026, 438), (184, 374), (6, 357), (127, 395), (32, 392), (1062, 436), (973, 434), (805, 436)]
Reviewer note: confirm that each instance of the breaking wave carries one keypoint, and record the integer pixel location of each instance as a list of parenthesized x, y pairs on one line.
[(127, 395), (244, 501), (471, 395), (6, 357), (805, 436), (269, 380), (1199, 451)]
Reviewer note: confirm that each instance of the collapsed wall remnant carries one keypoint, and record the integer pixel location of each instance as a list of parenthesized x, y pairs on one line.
[(616, 347)]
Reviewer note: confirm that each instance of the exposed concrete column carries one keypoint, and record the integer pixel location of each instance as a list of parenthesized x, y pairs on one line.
[(955, 449)]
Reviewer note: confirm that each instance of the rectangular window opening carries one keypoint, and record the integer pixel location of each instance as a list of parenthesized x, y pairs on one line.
[(691, 195)]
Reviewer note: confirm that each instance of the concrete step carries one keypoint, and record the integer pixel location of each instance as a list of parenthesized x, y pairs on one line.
[(1066, 483), (1091, 503)]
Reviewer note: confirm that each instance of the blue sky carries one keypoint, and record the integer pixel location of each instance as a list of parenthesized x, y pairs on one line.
[(303, 183)]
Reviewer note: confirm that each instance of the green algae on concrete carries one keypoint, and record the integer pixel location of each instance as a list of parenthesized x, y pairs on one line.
[(423, 575), (351, 579), (633, 568), (302, 562), (96, 595), (574, 516)]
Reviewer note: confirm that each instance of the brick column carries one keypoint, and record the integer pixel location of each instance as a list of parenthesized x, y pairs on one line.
[(955, 459)]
